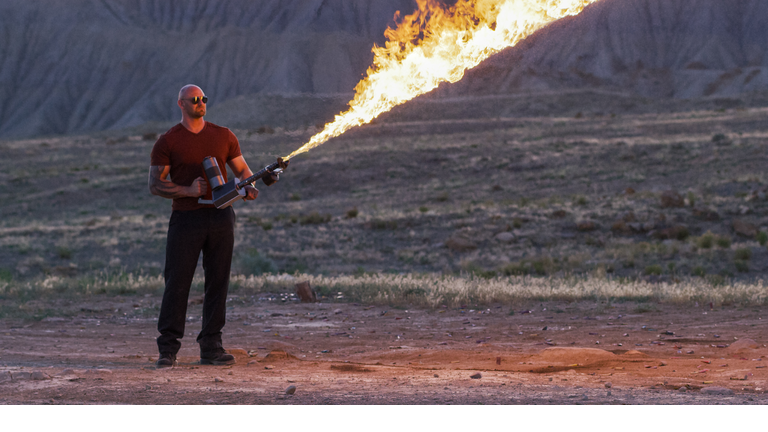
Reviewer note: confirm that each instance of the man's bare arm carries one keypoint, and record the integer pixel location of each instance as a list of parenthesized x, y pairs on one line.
[(160, 185), (240, 170)]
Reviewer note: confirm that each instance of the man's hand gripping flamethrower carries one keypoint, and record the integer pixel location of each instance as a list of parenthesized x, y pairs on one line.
[(224, 194)]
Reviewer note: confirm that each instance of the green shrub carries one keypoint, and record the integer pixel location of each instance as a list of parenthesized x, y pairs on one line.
[(741, 266), (443, 197), (315, 218), (699, 271), (378, 224), (743, 254), (515, 269), (762, 238), (253, 263), (295, 197), (654, 269), (64, 252), (682, 233), (723, 242), (5, 275), (423, 209), (352, 213), (706, 241), (719, 138), (543, 266), (294, 266), (266, 226), (691, 199)]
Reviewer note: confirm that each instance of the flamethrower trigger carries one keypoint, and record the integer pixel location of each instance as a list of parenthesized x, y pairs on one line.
[(224, 194)]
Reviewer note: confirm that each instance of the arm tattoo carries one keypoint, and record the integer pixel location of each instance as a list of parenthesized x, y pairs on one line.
[(160, 185)]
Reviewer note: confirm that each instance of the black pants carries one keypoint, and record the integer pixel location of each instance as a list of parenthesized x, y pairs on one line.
[(190, 232)]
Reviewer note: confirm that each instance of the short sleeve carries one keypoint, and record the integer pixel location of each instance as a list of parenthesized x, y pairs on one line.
[(234, 147), (161, 153)]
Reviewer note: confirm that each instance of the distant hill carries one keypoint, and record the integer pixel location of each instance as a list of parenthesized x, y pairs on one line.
[(651, 48), (89, 65), (84, 65)]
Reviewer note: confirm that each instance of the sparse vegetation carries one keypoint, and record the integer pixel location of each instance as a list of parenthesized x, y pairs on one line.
[(425, 290), (741, 266), (64, 252), (315, 218), (723, 242), (532, 221), (743, 254), (253, 263), (379, 224), (653, 269), (706, 241)]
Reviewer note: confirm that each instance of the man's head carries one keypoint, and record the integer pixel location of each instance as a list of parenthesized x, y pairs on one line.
[(192, 101)]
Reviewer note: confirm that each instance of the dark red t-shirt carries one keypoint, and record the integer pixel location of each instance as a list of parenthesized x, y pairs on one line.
[(184, 152)]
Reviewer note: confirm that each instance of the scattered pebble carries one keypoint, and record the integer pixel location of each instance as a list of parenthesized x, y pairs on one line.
[(290, 390), (608, 385), (217, 379), (476, 376)]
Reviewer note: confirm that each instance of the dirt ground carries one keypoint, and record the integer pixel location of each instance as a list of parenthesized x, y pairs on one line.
[(343, 353)]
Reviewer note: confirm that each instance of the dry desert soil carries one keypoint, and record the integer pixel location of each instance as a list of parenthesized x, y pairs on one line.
[(344, 353), (662, 211)]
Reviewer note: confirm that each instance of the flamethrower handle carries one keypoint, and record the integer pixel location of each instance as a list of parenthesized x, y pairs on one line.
[(267, 170)]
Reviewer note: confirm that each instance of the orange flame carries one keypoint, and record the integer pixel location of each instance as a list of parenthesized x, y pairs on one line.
[(437, 44)]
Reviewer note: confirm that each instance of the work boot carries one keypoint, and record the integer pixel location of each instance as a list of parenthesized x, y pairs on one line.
[(217, 358), (166, 361)]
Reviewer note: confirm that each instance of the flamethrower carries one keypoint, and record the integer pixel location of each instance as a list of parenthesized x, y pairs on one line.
[(224, 194)]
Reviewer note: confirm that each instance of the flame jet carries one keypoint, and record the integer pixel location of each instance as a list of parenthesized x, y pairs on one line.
[(436, 44)]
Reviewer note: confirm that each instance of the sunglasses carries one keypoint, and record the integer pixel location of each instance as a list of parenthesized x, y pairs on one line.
[(196, 100)]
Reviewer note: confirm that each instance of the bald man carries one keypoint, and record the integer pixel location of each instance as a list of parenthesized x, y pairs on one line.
[(176, 173)]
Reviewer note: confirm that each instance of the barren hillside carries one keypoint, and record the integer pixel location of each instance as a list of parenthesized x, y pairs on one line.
[(89, 65), (85, 65), (651, 48)]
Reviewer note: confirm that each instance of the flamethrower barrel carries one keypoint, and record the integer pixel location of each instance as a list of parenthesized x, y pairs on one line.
[(263, 172), (267, 170)]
